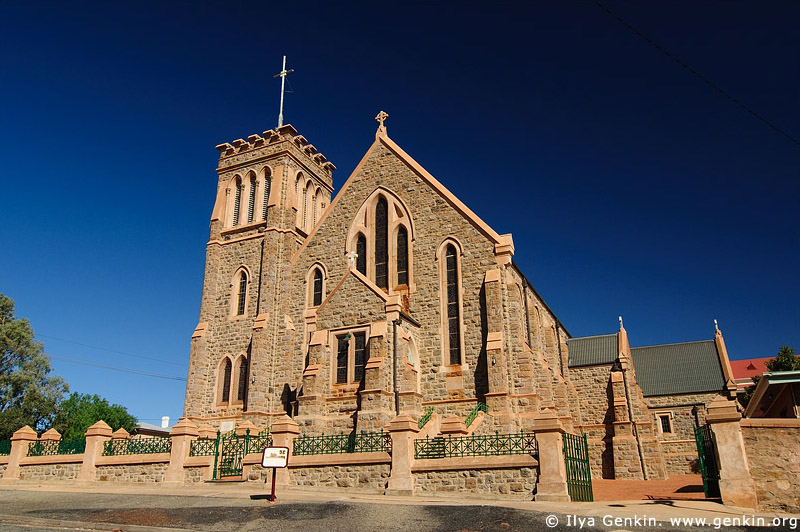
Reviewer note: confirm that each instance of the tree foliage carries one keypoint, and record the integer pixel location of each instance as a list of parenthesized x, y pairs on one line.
[(80, 411), (785, 360), (28, 396)]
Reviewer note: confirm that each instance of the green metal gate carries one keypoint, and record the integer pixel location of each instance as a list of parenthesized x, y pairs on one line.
[(708, 460), (230, 455), (579, 473)]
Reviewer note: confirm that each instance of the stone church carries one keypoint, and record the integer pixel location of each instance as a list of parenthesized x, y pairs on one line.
[(393, 297)]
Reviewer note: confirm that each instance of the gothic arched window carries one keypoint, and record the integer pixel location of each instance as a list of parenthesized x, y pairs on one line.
[(226, 381), (361, 252), (241, 389), (241, 298), (317, 288), (452, 305), (382, 244), (402, 256), (237, 201)]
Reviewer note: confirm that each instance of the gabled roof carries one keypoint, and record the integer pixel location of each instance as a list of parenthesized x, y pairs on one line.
[(689, 367), (592, 350), (749, 368), (449, 197)]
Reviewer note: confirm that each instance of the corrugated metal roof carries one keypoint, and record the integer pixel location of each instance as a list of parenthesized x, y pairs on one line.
[(690, 367), (591, 350)]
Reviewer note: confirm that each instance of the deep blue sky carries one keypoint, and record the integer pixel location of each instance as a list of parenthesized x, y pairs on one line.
[(630, 186)]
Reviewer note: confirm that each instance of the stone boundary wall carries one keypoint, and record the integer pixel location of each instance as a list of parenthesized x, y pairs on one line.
[(773, 453), (153, 472), (516, 483), (49, 472)]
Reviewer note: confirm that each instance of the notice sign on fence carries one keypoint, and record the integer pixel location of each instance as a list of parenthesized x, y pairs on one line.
[(275, 457)]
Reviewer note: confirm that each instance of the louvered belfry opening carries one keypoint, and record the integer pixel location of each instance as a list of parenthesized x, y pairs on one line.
[(382, 244), (453, 325), (267, 186), (402, 256), (361, 252), (251, 201), (237, 201)]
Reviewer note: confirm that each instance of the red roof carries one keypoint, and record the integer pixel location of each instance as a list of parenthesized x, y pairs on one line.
[(749, 368)]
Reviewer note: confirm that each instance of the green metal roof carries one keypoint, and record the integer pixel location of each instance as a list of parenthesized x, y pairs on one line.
[(690, 367), (592, 350)]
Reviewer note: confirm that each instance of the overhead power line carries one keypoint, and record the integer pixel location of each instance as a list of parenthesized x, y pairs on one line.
[(112, 350), (113, 368), (696, 73)]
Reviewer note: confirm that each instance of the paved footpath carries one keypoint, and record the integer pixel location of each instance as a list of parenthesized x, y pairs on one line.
[(28, 507)]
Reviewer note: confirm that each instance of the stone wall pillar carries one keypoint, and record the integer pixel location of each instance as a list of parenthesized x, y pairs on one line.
[(182, 435), (552, 482), (96, 437), (403, 430), (19, 450), (736, 485), (283, 432)]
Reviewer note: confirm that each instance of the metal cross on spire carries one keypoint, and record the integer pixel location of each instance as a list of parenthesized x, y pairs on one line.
[(283, 73)]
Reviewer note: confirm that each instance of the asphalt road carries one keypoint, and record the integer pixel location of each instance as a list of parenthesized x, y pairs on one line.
[(31, 511)]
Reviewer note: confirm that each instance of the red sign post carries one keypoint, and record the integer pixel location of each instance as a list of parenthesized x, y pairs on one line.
[(273, 458)]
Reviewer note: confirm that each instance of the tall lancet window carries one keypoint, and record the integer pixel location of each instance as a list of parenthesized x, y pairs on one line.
[(361, 251), (402, 256), (242, 388), (267, 186), (242, 296), (305, 208), (226, 381), (251, 202), (316, 299), (237, 201), (382, 244), (453, 310)]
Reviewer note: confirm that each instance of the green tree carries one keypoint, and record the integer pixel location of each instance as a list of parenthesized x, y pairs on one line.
[(786, 360), (28, 396), (80, 411)]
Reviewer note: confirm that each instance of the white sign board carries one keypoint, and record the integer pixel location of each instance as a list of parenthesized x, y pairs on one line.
[(275, 457)]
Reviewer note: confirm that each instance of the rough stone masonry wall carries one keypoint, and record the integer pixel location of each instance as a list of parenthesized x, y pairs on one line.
[(517, 483), (49, 472), (2, 469), (194, 474), (680, 457), (132, 473), (592, 382), (433, 219), (774, 457), (365, 477)]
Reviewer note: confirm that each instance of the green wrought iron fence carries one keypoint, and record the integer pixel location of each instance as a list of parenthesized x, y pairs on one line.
[(203, 447), (5, 447), (425, 418), (54, 447), (484, 445), (151, 445), (362, 442), (480, 407), (257, 443), (579, 472)]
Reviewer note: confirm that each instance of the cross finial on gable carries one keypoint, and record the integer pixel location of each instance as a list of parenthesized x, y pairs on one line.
[(382, 116)]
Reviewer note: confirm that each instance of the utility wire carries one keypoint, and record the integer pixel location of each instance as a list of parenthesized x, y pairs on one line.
[(112, 350), (124, 370), (696, 73)]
